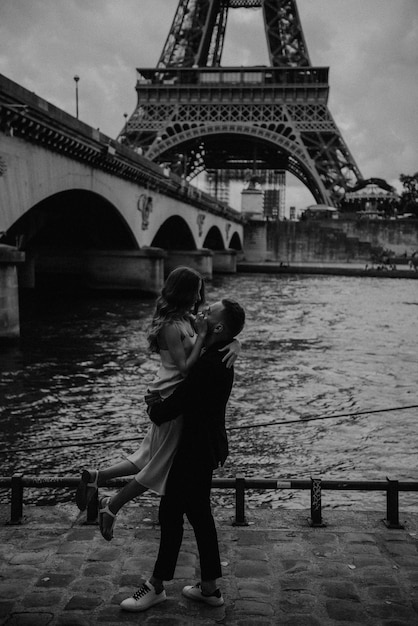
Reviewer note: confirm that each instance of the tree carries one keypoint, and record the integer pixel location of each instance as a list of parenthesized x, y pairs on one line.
[(409, 195)]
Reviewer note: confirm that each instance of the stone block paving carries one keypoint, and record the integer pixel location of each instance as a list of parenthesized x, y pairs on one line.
[(57, 571)]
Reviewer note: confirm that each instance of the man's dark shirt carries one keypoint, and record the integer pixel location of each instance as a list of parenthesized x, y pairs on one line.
[(201, 398)]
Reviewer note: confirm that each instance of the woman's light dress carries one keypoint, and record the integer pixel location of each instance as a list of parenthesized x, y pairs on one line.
[(155, 455)]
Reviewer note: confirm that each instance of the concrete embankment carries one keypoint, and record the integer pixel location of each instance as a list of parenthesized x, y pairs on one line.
[(56, 571), (335, 269)]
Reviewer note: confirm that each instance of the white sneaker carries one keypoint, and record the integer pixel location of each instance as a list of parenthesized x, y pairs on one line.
[(194, 592), (143, 598)]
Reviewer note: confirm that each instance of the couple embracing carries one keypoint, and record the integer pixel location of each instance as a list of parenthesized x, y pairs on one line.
[(187, 439)]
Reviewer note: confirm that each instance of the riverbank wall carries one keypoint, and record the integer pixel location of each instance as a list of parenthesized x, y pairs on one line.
[(340, 241)]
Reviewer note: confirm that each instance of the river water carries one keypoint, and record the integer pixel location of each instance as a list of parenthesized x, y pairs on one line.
[(312, 346)]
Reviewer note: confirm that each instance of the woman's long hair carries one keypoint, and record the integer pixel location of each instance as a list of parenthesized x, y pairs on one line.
[(177, 298)]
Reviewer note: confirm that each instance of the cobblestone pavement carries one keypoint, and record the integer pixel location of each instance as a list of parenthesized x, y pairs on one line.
[(57, 571)]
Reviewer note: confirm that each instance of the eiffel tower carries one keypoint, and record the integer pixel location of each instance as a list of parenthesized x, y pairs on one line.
[(195, 115)]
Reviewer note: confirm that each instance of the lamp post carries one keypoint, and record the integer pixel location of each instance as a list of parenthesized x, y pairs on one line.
[(76, 78)]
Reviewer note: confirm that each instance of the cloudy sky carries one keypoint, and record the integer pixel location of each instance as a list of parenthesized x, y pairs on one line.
[(371, 47)]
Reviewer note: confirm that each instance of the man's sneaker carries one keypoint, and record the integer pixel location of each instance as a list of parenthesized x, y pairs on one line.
[(194, 592), (143, 598)]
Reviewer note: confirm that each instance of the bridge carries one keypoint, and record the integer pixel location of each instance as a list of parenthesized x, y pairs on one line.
[(82, 206)]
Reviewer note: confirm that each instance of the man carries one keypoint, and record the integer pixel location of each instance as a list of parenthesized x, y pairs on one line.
[(201, 398)]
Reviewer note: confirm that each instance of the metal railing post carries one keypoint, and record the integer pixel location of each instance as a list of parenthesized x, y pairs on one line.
[(392, 504), (240, 519), (16, 504), (316, 514)]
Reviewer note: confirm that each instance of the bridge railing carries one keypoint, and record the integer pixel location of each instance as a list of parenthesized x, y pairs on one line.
[(19, 482), (24, 114)]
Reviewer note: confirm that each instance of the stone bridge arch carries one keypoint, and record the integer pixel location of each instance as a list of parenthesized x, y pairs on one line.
[(193, 231), (174, 234), (76, 219), (235, 243), (213, 239)]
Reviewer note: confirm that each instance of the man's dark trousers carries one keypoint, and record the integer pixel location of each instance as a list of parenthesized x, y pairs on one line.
[(188, 492)]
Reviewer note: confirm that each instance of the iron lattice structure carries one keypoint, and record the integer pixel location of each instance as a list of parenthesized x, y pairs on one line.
[(193, 114)]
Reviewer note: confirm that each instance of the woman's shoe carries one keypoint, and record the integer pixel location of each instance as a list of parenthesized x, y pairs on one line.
[(104, 510), (86, 488)]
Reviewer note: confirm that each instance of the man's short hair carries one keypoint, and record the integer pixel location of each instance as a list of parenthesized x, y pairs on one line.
[(233, 316)]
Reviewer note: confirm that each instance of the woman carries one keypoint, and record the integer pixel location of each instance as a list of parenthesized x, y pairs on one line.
[(177, 334)]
